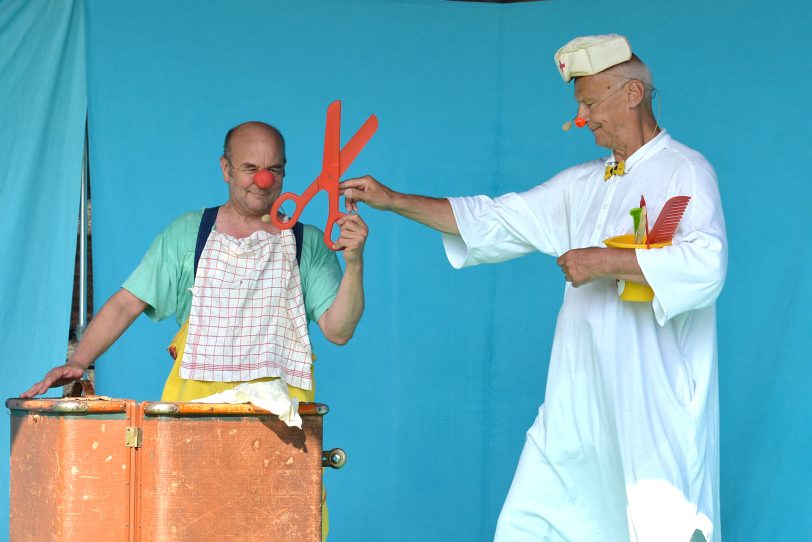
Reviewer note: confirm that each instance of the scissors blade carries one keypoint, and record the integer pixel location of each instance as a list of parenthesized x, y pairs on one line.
[(331, 162), (357, 142)]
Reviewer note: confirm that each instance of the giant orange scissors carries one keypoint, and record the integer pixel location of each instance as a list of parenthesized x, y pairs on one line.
[(334, 163)]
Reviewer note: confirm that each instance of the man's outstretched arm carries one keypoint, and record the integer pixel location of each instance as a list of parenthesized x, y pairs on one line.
[(433, 212)]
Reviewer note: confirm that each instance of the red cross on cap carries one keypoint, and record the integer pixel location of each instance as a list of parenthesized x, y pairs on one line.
[(562, 65)]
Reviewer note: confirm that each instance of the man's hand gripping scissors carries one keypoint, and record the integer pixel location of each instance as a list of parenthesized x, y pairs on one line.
[(334, 164)]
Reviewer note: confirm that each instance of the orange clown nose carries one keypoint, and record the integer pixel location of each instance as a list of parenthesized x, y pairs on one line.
[(263, 179), (580, 122)]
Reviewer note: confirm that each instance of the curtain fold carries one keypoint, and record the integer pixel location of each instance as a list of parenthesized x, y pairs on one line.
[(43, 106)]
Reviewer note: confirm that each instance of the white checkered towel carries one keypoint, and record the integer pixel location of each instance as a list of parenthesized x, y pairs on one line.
[(248, 317)]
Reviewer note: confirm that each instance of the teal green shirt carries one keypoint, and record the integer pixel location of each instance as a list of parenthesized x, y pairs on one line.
[(166, 273)]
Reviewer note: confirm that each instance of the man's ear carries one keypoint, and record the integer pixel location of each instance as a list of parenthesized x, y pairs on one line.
[(224, 167), (635, 92)]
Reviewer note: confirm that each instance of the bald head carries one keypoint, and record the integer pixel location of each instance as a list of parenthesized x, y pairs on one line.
[(635, 70), (248, 130)]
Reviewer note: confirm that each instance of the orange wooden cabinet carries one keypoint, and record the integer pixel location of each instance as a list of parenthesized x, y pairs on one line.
[(92, 469)]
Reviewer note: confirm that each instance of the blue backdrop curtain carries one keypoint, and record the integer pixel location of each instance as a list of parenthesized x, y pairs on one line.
[(42, 121), (432, 397)]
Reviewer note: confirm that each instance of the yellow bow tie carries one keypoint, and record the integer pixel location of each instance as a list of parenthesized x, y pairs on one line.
[(617, 169)]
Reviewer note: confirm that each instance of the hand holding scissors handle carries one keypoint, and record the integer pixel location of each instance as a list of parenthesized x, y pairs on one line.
[(334, 163)]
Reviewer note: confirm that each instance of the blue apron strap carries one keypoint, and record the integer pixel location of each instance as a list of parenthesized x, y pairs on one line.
[(206, 225), (298, 235)]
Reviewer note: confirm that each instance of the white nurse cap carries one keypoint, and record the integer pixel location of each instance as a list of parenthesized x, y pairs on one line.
[(589, 55)]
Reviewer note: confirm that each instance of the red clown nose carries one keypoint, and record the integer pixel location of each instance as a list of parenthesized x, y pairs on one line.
[(263, 179)]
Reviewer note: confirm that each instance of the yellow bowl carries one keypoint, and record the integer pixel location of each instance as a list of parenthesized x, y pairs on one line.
[(627, 241), (633, 291)]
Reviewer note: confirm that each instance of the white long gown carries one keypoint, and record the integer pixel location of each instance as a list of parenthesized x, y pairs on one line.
[(625, 446)]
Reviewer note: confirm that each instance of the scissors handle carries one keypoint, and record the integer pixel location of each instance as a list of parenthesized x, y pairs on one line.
[(299, 201), (332, 217), (333, 214)]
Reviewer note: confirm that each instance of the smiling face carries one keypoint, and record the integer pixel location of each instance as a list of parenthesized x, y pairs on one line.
[(602, 103), (253, 147)]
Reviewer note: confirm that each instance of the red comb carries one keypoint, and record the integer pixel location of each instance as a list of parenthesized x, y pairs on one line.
[(666, 225)]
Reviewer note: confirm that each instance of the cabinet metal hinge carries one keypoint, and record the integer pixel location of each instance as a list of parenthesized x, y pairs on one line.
[(134, 437)]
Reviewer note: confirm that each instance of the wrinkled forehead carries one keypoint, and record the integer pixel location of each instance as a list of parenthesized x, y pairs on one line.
[(256, 144), (593, 86)]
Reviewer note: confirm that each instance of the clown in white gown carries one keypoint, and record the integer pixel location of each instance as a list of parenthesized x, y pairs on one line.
[(625, 446)]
